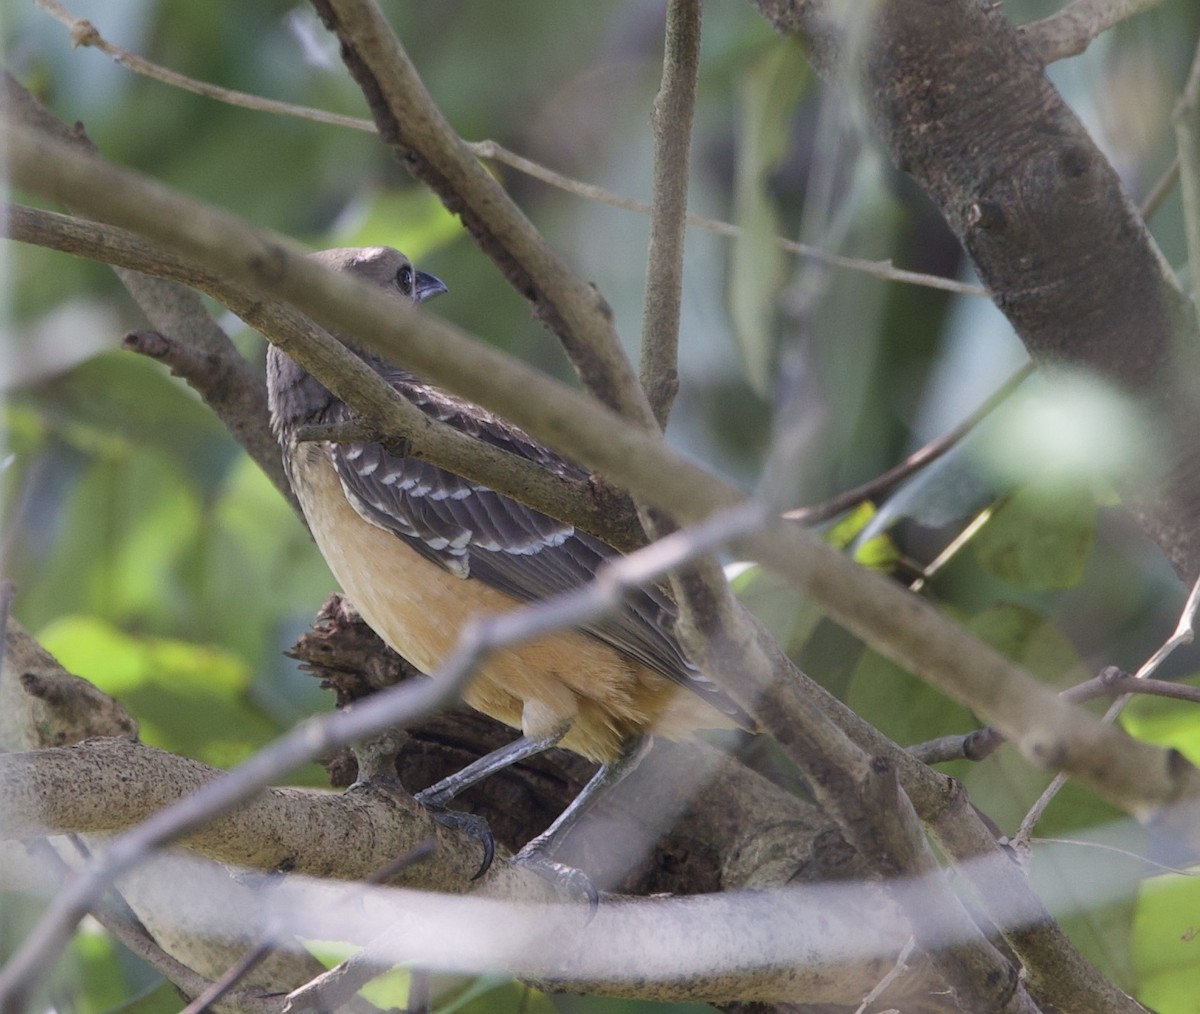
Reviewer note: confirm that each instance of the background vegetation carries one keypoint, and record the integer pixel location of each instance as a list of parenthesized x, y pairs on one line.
[(152, 557)]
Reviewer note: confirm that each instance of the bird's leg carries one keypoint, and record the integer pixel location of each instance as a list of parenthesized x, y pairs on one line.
[(442, 792), (536, 853)]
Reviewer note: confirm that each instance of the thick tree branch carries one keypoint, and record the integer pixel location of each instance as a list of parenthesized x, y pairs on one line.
[(963, 106), (112, 784), (102, 773)]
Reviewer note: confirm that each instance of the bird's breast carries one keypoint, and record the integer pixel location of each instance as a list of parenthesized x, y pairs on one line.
[(418, 608)]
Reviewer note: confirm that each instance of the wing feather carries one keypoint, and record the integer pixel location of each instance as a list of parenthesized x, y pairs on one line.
[(472, 530)]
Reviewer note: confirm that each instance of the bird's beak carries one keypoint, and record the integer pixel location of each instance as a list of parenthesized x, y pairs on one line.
[(427, 286)]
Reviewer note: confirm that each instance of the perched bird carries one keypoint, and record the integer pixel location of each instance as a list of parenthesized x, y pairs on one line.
[(418, 550)]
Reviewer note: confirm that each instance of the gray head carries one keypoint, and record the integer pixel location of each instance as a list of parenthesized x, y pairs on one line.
[(386, 267), (294, 396)]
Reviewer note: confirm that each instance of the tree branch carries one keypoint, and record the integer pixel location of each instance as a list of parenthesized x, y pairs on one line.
[(914, 462), (1187, 137), (607, 516), (410, 122), (883, 270), (86, 788), (1068, 32), (674, 107), (105, 771), (962, 105), (84, 33)]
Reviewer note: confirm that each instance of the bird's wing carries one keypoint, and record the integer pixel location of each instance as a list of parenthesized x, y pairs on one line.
[(473, 531)]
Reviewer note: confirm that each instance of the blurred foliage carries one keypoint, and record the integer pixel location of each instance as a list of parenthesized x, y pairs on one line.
[(155, 559), (1166, 934)]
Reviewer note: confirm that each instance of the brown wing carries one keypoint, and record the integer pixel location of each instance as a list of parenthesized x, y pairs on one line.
[(473, 531)]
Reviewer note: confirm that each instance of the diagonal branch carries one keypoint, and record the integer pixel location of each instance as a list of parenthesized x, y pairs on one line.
[(1068, 32), (579, 503), (410, 122)]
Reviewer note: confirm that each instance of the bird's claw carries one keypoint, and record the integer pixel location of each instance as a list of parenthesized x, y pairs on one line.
[(533, 858), (472, 824)]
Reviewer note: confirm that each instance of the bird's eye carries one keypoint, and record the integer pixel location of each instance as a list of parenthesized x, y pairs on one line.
[(404, 278)]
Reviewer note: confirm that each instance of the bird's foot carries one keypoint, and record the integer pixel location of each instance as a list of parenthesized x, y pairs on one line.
[(470, 823), (535, 858)]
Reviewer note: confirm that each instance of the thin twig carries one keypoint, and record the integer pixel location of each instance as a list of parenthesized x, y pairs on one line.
[(1158, 193), (1109, 682), (1187, 140), (1112, 681), (222, 986), (271, 940), (590, 191), (1069, 31), (973, 746), (956, 545), (674, 107), (1137, 857), (915, 461), (898, 969), (1184, 633), (84, 33)]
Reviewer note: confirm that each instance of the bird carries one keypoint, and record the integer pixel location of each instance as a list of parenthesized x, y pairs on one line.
[(418, 550)]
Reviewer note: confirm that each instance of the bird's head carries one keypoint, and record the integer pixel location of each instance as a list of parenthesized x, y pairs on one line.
[(385, 267), (296, 397)]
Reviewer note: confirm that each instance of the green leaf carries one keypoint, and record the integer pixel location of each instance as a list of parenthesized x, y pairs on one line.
[(758, 269), (1165, 722), (791, 617), (1029, 639), (1040, 538), (119, 542), (1166, 943), (846, 529), (372, 222), (902, 706), (188, 698), (879, 553)]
